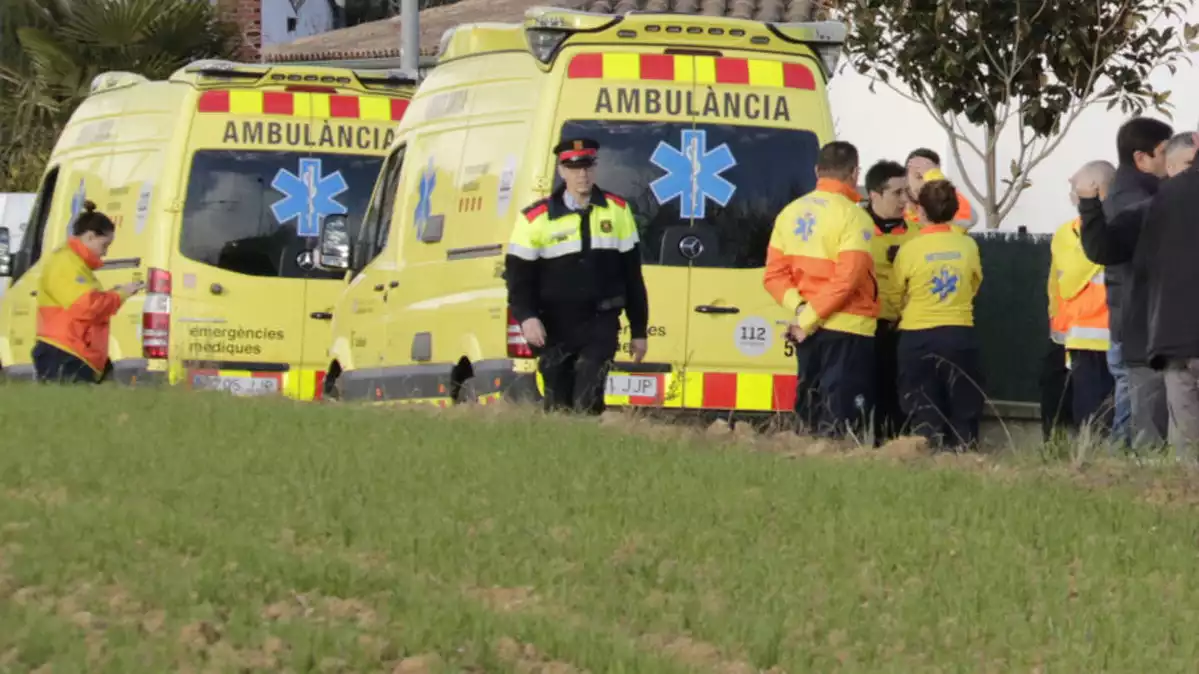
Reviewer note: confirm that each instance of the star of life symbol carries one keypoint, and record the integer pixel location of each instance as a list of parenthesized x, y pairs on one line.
[(805, 225), (693, 173), (424, 200), (945, 283), (308, 197)]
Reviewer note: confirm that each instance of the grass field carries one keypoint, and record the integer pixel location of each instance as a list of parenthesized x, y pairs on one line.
[(154, 532)]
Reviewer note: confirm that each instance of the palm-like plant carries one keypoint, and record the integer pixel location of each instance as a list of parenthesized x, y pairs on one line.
[(50, 50)]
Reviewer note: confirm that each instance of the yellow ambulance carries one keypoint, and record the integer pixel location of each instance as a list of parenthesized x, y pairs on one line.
[(708, 128), (221, 181)]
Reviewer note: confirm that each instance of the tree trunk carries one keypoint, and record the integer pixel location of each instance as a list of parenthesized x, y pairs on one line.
[(990, 207)]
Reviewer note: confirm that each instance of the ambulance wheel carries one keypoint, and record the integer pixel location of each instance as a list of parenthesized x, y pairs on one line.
[(467, 393)]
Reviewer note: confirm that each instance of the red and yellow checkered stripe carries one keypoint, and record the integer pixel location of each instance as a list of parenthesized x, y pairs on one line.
[(686, 68), (303, 104), (745, 392)]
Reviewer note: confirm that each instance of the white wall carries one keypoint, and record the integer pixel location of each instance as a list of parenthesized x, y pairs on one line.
[(312, 17), (884, 125), (15, 208)]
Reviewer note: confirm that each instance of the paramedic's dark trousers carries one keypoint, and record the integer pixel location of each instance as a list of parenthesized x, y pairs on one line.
[(888, 417), (54, 365), (1093, 387), (835, 392), (940, 385), (579, 348), (1057, 392)]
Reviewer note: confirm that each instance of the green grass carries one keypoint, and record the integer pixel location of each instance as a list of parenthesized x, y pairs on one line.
[(148, 532)]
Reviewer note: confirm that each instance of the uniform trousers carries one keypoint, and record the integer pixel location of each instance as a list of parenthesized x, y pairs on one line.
[(888, 416), (1057, 392), (835, 391), (52, 364), (940, 385), (580, 345), (1093, 388)]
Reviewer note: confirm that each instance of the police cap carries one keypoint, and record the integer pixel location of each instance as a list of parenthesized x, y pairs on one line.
[(576, 152)]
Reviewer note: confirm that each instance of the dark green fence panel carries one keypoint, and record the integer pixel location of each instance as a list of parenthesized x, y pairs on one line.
[(1011, 315)]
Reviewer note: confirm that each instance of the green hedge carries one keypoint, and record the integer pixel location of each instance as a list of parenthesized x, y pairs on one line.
[(1010, 313)]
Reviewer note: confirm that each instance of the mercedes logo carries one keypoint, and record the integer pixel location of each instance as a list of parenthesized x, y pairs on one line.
[(305, 260), (691, 247)]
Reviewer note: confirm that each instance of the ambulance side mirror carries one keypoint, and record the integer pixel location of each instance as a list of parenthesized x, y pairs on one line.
[(5, 254), (333, 251)]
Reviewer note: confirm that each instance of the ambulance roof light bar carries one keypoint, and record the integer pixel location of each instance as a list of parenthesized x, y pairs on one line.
[(227, 69), (546, 28), (114, 80), (826, 38)]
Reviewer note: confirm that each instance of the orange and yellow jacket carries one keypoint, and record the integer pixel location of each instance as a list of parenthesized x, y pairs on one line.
[(819, 264), (73, 310), (1078, 295), (963, 219), (940, 272)]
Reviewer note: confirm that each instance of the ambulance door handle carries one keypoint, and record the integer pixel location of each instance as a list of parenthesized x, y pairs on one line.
[(713, 309), (322, 315)]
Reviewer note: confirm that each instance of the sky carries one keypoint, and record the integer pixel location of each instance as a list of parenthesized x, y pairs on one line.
[(884, 125)]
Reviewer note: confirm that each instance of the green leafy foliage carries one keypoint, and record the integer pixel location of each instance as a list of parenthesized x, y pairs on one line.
[(1029, 64), (51, 50)]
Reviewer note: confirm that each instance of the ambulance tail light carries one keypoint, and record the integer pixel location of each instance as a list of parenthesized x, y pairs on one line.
[(156, 315), (826, 38), (517, 346)]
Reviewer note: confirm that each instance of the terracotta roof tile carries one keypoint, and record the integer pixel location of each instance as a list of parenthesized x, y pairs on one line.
[(381, 39)]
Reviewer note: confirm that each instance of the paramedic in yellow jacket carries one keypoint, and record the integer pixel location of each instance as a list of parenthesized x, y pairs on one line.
[(940, 271), (923, 166), (819, 268), (1082, 310), (887, 192), (73, 309)]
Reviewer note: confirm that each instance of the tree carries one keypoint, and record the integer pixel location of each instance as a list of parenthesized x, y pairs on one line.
[(61, 45), (1027, 67)]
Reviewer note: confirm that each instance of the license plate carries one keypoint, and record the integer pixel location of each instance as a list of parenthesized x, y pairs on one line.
[(638, 386), (239, 386)]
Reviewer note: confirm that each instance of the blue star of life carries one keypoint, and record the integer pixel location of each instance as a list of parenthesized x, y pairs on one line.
[(77, 200), (308, 197), (945, 283), (424, 201), (693, 174), (805, 225)]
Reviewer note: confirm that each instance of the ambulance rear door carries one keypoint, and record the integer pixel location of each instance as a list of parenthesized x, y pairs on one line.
[(634, 104), (254, 188), (759, 124)]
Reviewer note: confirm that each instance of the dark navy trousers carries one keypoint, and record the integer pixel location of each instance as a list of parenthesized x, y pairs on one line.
[(940, 385)]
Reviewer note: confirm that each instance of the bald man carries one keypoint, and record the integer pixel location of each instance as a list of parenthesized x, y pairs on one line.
[(1180, 152), (1078, 302)]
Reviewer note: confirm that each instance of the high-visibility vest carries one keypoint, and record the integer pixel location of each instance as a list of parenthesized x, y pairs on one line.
[(1081, 293)]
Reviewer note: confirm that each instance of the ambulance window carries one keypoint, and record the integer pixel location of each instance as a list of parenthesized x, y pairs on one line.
[(245, 209), (35, 229), (755, 171), (378, 219)]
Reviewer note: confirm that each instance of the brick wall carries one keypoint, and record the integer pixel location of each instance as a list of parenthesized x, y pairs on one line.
[(247, 16)]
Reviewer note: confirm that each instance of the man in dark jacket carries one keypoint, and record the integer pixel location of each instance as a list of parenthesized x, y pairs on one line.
[(1165, 257), (1140, 415)]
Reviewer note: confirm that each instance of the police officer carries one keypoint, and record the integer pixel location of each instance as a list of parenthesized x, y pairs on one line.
[(573, 264)]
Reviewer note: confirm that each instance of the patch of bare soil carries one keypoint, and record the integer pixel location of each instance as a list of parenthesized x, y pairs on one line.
[(698, 654), (524, 658)]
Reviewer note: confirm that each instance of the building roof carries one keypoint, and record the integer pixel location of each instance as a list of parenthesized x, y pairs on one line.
[(381, 39)]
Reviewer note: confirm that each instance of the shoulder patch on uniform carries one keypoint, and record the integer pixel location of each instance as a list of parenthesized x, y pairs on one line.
[(616, 199), (81, 279), (536, 209)]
